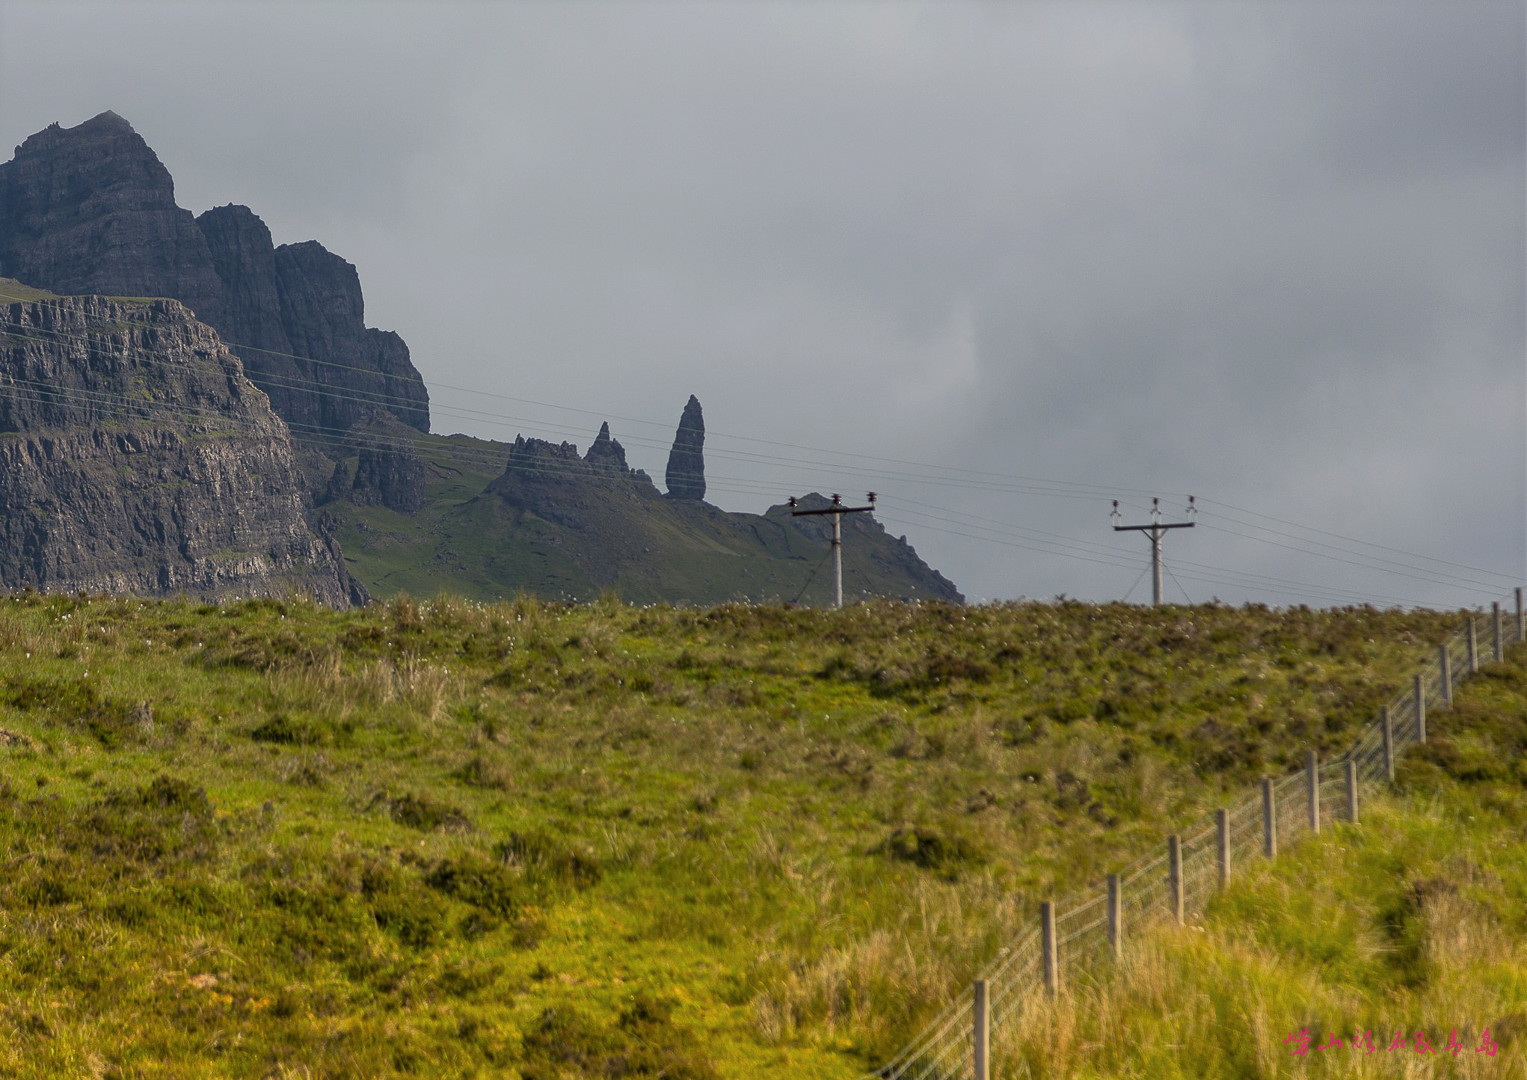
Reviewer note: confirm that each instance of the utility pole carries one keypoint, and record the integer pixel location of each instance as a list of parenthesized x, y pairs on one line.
[(1156, 528), (837, 510)]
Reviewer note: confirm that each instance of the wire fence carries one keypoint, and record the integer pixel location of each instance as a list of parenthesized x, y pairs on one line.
[(1093, 925)]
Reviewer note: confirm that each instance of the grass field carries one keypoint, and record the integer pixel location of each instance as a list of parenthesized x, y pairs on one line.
[(448, 839)]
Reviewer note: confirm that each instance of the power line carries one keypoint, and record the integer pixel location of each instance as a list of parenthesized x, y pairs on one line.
[(1136, 584), (1173, 576), (1354, 540), (1375, 559)]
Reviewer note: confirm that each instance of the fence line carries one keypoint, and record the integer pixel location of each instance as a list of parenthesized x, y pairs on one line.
[(1148, 892)]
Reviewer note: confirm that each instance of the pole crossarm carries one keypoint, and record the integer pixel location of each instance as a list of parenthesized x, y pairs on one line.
[(837, 510), (832, 510), (1116, 528), (1155, 530)]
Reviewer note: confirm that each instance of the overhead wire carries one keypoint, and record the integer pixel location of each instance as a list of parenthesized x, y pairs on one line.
[(1366, 543), (1244, 579)]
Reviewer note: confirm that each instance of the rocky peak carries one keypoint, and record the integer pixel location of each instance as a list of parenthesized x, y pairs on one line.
[(91, 209), (107, 121), (686, 461), (606, 453), (389, 471)]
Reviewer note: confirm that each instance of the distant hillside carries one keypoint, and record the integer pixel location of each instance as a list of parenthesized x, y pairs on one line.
[(91, 210), (496, 519)]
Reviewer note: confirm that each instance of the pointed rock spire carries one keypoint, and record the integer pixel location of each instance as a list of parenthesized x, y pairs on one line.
[(686, 461)]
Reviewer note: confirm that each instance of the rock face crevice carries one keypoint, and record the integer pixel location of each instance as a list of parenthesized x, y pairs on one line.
[(91, 209), (686, 461), (136, 457)]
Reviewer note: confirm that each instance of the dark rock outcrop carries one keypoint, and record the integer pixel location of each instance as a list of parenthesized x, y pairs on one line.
[(136, 457), (388, 471), (686, 461), (91, 209), (607, 453), (552, 481)]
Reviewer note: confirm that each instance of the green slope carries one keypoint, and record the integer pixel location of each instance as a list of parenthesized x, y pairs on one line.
[(1415, 920), (447, 839)]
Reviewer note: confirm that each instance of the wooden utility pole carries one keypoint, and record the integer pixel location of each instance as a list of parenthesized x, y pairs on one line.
[(837, 510), (1156, 528)]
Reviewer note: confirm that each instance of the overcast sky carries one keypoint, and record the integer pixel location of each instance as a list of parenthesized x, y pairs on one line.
[(1023, 257)]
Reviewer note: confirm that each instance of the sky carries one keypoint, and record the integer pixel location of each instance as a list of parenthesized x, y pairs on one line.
[(1000, 262)]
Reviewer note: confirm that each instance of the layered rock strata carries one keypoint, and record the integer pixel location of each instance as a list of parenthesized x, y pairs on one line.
[(136, 457)]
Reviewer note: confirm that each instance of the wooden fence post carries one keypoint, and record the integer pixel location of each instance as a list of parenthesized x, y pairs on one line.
[(1222, 829), (1269, 820), (1420, 695), (981, 1023), (1312, 764), (1174, 861), (1445, 666), (1388, 730), (1473, 647), (1500, 644), (1521, 624), (1115, 913), (1351, 790), (1047, 945)]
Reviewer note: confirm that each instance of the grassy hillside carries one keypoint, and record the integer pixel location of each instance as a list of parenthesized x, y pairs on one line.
[(526, 839), (12, 290), (1413, 921)]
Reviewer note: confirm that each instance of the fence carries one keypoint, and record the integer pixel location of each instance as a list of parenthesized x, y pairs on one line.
[(1074, 934)]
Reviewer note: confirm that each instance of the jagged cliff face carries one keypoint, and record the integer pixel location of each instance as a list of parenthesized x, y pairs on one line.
[(136, 457), (91, 209), (388, 469)]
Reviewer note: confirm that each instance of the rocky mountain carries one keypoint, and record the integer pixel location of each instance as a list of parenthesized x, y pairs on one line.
[(142, 458), (136, 457), (91, 209)]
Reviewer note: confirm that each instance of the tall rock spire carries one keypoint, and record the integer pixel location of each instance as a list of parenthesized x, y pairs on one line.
[(686, 461)]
